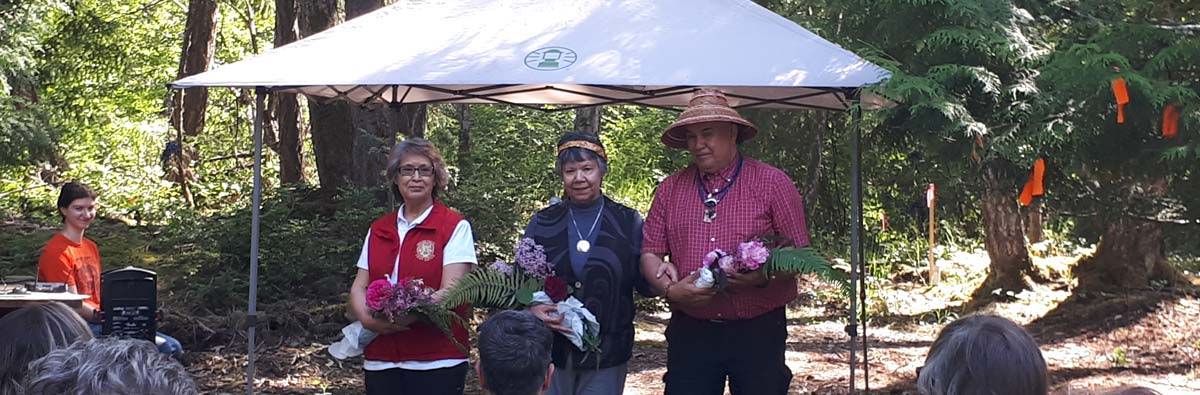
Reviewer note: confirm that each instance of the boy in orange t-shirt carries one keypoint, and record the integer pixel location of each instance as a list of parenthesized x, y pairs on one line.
[(76, 264), (71, 258), (74, 260)]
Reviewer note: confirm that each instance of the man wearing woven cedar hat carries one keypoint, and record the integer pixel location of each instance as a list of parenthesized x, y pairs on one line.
[(723, 198)]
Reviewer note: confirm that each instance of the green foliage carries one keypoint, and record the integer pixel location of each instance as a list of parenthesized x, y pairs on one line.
[(485, 287), (303, 242), (1110, 169), (509, 173), (25, 134), (1119, 357), (793, 260)]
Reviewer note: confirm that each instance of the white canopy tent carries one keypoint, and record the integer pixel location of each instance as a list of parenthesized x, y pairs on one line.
[(570, 53)]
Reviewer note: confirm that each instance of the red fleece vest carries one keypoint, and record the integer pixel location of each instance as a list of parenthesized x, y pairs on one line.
[(420, 257)]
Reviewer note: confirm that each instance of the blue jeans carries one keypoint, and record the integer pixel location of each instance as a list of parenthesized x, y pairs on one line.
[(166, 344)]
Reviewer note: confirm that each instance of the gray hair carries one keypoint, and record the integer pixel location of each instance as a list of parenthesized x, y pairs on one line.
[(576, 154), (514, 353), (108, 366), (983, 354), (31, 333), (419, 146)]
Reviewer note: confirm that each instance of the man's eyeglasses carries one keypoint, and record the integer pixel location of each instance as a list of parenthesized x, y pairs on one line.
[(415, 171)]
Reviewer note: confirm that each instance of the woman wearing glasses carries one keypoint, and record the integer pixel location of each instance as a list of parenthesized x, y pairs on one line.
[(594, 244), (423, 239)]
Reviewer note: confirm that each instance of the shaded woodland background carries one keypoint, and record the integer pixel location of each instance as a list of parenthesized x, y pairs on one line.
[(985, 87)]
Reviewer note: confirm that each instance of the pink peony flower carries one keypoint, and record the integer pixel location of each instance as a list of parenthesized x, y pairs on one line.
[(378, 294), (753, 254)]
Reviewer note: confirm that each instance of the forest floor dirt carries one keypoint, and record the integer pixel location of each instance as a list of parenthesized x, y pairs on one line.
[(1092, 342)]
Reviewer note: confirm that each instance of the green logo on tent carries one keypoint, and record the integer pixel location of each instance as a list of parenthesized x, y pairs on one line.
[(551, 58)]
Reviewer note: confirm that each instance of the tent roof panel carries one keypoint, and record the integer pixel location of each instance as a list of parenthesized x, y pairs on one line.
[(584, 44)]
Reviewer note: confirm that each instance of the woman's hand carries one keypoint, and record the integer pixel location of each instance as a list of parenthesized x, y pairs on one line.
[(686, 293), (550, 316), (384, 327)]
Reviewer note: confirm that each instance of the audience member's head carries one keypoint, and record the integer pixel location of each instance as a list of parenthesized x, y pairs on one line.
[(514, 354), (107, 366), (983, 354), (31, 333)]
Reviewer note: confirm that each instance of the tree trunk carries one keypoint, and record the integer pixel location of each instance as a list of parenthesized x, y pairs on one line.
[(1033, 226), (332, 129), (813, 181), (356, 8), (587, 119), (1131, 252), (188, 105), (463, 113), (285, 107), (199, 37), (351, 142), (1004, 236)]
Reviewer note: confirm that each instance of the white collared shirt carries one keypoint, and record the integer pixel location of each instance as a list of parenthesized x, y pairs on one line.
[(459, 249)]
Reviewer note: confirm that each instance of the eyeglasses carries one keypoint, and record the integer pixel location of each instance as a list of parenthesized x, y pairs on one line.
[(411, 172)]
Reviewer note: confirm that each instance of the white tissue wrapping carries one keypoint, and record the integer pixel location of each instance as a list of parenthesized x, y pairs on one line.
[(706, 279), (354, 340), (575, 316)]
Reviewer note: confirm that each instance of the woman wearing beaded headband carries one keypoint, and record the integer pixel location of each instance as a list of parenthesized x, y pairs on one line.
[(594, 244)]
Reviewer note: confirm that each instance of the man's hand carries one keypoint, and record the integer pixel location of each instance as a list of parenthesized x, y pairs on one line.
[(668, 269), (754, 278), (685, 292), (657, 272), (550, 316)]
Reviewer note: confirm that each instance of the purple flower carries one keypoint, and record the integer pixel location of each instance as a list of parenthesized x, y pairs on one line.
[(728, 264), (753, 254), (711, 257), (502, 267), (395, 300), (531, 258)]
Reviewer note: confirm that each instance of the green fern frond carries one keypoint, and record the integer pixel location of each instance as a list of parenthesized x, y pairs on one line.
[(486, 288), (804, 261), (444, 319)]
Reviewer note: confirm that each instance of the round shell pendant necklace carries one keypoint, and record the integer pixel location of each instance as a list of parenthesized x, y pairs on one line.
[(583, 245)]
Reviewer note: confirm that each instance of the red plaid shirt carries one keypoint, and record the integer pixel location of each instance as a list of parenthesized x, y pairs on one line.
[(762, 201)]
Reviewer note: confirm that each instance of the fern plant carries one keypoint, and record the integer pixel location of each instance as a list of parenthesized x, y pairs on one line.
[(791, 260), (485, 287)]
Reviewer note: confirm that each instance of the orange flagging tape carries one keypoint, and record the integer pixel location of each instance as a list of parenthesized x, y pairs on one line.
[(1121, 93), (1035, 186), (1170, 122)]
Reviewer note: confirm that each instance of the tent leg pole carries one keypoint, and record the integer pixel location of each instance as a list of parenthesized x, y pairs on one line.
[(855, 241), (260, 94), (862, 257), (857, 286)]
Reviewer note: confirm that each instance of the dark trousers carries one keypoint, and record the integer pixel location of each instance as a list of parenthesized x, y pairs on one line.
[(702, 353), (445, 381)]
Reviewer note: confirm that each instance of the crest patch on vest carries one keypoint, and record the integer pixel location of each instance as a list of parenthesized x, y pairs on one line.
[(425, 250)]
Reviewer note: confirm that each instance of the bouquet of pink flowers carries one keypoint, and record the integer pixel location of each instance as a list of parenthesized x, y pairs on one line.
[(771, 255), (410, 296), (527, 282)]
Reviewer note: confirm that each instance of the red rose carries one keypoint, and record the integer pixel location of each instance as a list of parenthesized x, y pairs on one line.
[(556, 288)]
